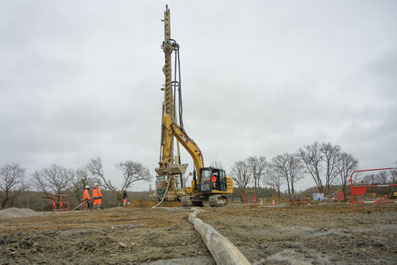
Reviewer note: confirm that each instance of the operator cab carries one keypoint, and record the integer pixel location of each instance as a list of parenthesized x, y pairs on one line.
[(212, 179)]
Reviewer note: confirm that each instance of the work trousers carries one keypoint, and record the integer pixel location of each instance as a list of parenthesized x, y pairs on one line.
[(97, 201), (88, 204)]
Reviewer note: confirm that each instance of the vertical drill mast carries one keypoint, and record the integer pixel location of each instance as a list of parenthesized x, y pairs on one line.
[(168, 105), (167, 48), (168, 167)]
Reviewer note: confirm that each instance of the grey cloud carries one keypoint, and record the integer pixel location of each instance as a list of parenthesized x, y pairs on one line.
[(82, 79)]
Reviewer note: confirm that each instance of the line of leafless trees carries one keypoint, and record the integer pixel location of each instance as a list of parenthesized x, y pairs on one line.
[(57, 179), (382, 177), (325, 163)]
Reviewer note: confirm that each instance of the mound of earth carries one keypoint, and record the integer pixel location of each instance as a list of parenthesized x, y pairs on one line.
[(17, 212), (138, 203), (170, 204)]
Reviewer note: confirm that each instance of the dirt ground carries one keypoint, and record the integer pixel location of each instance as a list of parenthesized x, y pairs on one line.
[(310, 234)]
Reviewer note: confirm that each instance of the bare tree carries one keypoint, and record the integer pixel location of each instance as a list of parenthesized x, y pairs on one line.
[(295, 171), (274, 180), (370, 179), (331, 157), (11, 182), (241, 176), (347, 164), (95, 167), (53, 180), (290, 168), (132, 172), (394, 175), (375, 178), (280, 168), (382, 177), (312, 156), (256, 166), (216, 164)]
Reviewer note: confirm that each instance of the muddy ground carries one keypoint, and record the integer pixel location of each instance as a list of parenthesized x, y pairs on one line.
[(310, 234)]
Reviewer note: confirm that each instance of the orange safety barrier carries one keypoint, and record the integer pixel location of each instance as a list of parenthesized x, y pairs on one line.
[(85, 205), (362, 189), (59, 202), (250, 196)]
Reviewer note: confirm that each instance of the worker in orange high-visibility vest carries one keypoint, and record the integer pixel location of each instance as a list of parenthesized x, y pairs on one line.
[(213, 179), (97, 196), (125, 196), (87, 197)]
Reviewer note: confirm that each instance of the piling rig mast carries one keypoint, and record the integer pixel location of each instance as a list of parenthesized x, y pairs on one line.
[(170, 185), (170, 170)]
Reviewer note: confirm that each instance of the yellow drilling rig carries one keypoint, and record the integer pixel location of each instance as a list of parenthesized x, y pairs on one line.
[(208, 184)]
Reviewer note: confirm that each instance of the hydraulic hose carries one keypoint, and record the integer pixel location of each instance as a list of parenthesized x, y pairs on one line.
[(165, 193)]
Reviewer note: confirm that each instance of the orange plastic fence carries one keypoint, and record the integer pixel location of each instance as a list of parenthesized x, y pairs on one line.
[(362, 189)]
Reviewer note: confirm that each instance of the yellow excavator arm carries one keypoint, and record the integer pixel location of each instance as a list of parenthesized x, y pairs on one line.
[(190, 146), (172, 129)]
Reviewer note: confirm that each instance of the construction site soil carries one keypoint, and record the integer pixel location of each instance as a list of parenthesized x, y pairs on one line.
[(294, 234)]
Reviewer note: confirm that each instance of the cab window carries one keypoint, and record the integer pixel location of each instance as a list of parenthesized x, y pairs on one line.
[(222, 180), (205, 180)]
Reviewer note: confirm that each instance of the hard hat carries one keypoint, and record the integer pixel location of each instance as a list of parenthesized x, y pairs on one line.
[(96, 184), (87, 187)]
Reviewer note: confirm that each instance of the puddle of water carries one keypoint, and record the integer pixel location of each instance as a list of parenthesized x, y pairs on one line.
[(281, 205)]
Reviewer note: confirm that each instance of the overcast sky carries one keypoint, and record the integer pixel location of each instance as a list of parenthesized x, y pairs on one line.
[(81, 79)]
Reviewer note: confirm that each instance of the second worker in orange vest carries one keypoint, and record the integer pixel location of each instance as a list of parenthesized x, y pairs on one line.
[(87, 198), (97, 196)]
